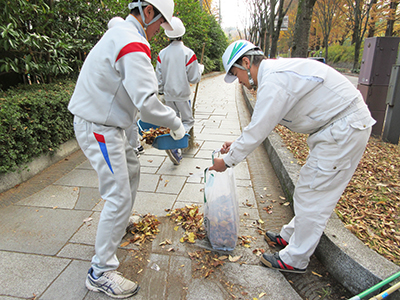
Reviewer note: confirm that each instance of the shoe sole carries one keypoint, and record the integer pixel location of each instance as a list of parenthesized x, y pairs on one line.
[(172, 158), (269, 265), (98, 290)]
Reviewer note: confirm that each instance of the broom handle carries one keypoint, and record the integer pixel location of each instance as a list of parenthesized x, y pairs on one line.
[(197, 84)]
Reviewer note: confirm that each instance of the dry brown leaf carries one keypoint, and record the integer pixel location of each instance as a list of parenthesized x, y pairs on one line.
[(316, 274), (235, 258), (124, 244)]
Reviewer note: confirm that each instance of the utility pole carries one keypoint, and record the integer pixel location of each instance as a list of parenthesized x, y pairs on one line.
[(220, 16)]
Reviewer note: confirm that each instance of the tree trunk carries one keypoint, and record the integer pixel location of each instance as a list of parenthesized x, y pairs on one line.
[(357, 22), (277, 30), (326, 41), (392, 18), (372, 25), (357, 48), (272, 29), (302, 28)]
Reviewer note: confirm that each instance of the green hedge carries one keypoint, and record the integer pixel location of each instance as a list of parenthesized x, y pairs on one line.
[(34, 120)]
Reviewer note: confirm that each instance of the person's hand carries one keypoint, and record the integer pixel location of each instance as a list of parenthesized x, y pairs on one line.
[(201, 67), (219, 165), (226, 147), (179, 133)]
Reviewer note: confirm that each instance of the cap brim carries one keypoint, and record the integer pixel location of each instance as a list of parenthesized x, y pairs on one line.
[(229, 78), (167, 26)]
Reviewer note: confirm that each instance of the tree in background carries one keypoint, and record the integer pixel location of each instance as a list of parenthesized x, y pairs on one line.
[(372, 19), (302, 28), (45, 39), (286, 36), (276, 24), (256, 30), (358, 13), (266, 19), (392, 16), (326, 12), (207, 6)]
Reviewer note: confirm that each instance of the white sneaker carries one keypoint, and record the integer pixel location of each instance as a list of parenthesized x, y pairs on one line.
[(112, 284)]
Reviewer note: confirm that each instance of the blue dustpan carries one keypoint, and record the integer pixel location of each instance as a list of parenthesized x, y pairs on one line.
[(165, 141)]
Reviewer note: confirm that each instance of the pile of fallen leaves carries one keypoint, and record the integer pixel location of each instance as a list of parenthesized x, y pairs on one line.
[(191, 220), (149, 135), (207, 261), (145, 230), (370, 205)]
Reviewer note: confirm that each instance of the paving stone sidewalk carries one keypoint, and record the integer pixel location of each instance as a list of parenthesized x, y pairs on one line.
[(47, 237)]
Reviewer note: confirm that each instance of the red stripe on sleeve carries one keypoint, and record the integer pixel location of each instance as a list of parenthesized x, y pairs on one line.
[(99, 137), (159, 59), (134, 47), (192, 60)]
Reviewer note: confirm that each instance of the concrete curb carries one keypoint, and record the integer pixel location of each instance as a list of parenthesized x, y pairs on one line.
[(353, 264), (9, 180)]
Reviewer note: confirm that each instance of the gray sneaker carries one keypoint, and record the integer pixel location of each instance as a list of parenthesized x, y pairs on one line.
[(175, 156), (112, 284)]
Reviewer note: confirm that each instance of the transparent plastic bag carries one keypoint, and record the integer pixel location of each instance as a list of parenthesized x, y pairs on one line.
[(221, 209)]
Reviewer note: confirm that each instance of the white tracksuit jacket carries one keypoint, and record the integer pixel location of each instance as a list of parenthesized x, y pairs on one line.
[(309, 97), (117, 79), (177, 67)]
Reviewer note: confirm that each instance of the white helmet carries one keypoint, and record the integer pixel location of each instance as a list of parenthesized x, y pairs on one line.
[(179, 29), (165, 7), (235, 51), (114, 21)]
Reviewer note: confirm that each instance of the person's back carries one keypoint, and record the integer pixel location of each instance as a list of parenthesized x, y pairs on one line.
[(179, 68), (315, 93)]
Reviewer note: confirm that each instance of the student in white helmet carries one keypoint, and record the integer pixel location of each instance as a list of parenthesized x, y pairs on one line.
[(132, 133), (177, 67), (117, 79), (307, 97)]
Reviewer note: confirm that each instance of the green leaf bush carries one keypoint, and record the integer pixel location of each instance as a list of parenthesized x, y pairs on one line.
[(47, 41), (34, 120)]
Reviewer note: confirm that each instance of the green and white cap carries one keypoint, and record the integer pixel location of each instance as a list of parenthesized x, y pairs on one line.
[(235, 51)]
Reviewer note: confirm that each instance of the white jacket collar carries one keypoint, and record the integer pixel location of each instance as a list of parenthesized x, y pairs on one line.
[(137, 24)]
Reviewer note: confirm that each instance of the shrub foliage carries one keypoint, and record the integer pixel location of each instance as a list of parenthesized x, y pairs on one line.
[(34, 120)]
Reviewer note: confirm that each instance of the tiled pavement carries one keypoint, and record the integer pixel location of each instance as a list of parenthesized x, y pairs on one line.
[(47, 238)]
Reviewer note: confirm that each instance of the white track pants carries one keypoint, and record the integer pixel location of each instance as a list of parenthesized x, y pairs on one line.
[(132, 134), (183, 110), (334, 156), (118, 170)]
